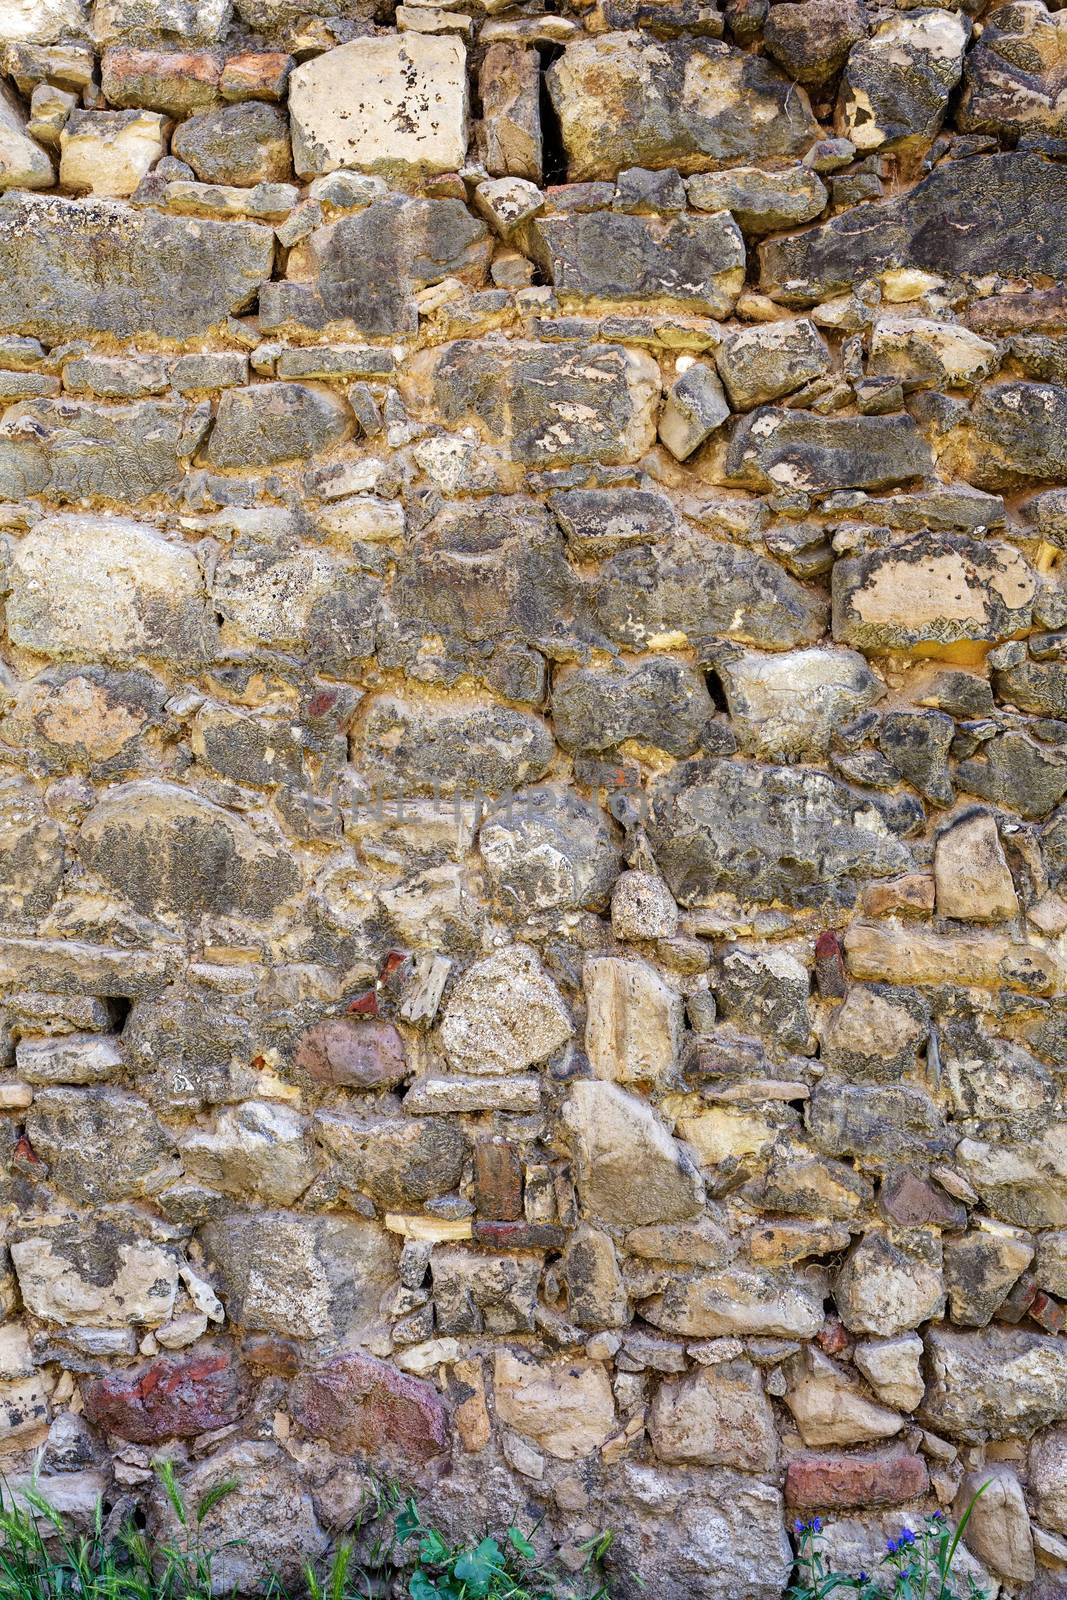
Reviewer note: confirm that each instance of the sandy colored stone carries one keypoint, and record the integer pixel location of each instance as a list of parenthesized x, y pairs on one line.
[(504, 1014), (974, 881), (107, 153), (565, 1407), (633, 1021)]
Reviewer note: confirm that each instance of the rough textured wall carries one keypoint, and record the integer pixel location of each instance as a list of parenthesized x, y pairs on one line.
[(534, 737)]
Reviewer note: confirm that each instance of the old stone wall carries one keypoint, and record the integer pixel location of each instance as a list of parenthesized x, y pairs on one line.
[(533, 742)]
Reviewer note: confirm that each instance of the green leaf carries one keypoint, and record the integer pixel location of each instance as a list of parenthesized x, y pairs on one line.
[(521, 1544), (421, 1587), (433, 1549), (408, 1521), (476, 1567)]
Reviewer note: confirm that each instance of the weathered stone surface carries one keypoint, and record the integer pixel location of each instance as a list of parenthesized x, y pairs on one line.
[(964, 219), (174, 1397), (358, 1404), (107, 153), (1048, 1478), (241, 144), (668, 594), (934, 593), (23, 164), (1012, 75), (994, 1382), (834, 1482), (309, 1277), (78, 451), (762, 202), (396, 104), (100, 1143), (893, 1368), (787, 705), (105, 1272), (766, 833), (547, 406), (774, 448), (107, 589), (32, 854), (998, 1532), (475, 1292), (70, 268), (876, 1033), (508, 87), (889, 1285), (633, 1025), (566, 1407), (717, 1417), (642, 907), (171, 853), (544, 850), (897, 83), (615, 1134), (659, 702), (738, 1301), (257, 1149), (354, 1052), (413, 747), (624, 99), (694, 408), (275, 422), (812, 41), (971, 871), (398, 1162), (923, 353), (829, 1407), (504, 1014), (762, 363), (601, 258), (980, 1268)]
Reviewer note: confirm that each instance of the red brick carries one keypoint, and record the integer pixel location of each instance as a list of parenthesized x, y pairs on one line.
[(837, 1482), (830, 966), (364, 1406), (1047, 1313), (520, 1235), (360, 1053), (175, 1397), (497, 1180), (256, 75)]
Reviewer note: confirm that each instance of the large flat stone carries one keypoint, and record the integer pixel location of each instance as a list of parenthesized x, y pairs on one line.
[(599, 258)]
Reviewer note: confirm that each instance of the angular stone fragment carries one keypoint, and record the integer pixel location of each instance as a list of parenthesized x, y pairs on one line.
[(1048, 1478), (1019, 1184), (600, 258), (23, 164), (665, 595), (566, 1407), (412, 747), (69, 268), (629, 99), (633, 1021), (811, 41), (545, 850), (395, 104), (787, 705), (998, 1530), (32, 854), (980, 1268), (80, 1058), (893, 1368), (275, 422), (1012, 435), (993, 214), (291, 595), (716, 1417), (897, 83), (79, 451), (1013, 76), (882, 1123), (170, 852), (475, 1292), (617, 1135), (1017, 772), (257, 1149), (932, 594), (996, 1382), (659, 702), (155, 21), (547, 405), (399, 1162), (971, 871), (767, 833), (173, 81), (508, 87), (40, 21), (242, 144), (356, 1053), (695, 406), (107, 153), (100, 1143), (774, 448), (504, 1014), (885, 953), (829, 1407), (107, 588), (170, 1398), (642, 907), (761, 202), (362, 1406), (739, 1301), (308, 1277), (596, 522), (876, 1033), (889, 1285), (924, 353), (771, 359), (103, 1272)]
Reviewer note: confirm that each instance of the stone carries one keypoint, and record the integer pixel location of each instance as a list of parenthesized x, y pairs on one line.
[(241, 144), (477, 1292), (547, 406), (363, 1406), (634, 1021), (716, 1416), (74, 1058), (1048, 1478), (302, 1276), (1050, 1263), (69, 268), (178, 83), (995, 1381), (812, 42), (171, 853), (876, 1034), (961, 220), (615, 1135), (735, 1301), (694, 408), (414, 747), (778, 449), (765, 833), (78, 451), (354, 1053), (787, 705), (599, 259), (283, 594), (508, 87), (923, 352), (395, 105), (265, 1525), (105, 1272), (642, 907), (107, 588), (40, 21), (880, 951), (885, 1122), (893, 1368), (834, 1482), (980, 1268), (398, 1162), (672, 593), (1010, 76), (23, 164), (32, 854), (544, 850), (769, 360), (998, 1530), (276, 422), (169, 1398), (626, 99), (596, 522), (659, 702), (761, 202), (896, 83), (766, 992), (100, 1143), (974, 881), (257, 1149), (596, 1289), (889, 1285), (931, 595), (565, 1407), (107, 153), (829, 1407), (504, 1014)]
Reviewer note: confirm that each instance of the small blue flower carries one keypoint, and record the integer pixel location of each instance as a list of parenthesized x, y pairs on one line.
[(907, 1537), (817, 1524), (939, 1516), (799, 1527), (862, 1577), (892, 1546)]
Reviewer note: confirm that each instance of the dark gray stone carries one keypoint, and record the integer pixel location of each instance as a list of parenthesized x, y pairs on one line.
[(660, 702), (273, 422), (694, 263), (100, 1144), (242, 144)]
